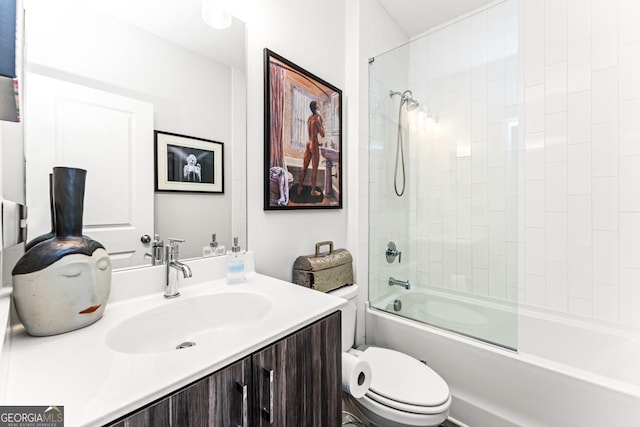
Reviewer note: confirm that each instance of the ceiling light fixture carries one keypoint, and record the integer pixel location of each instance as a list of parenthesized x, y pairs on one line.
[(215, 14)]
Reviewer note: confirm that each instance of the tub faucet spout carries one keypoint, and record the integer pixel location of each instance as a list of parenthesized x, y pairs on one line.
[(395, 282)]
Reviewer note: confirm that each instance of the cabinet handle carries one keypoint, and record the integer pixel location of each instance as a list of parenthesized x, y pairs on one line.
[(267, 413), (245, 412)]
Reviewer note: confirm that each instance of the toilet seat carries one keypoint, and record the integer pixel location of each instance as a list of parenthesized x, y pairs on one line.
[(401, 382)]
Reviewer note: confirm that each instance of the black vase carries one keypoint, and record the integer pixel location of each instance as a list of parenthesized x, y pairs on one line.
[(49, 235), (46, 290)]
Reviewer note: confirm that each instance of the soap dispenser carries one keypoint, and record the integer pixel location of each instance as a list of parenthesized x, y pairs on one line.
[(235, 263), (213, 249)]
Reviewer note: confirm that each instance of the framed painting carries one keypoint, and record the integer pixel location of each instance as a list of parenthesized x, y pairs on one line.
[(303, 138), (186, 163)]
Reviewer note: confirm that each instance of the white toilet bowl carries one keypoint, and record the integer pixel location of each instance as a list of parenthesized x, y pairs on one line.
[(404, 391)]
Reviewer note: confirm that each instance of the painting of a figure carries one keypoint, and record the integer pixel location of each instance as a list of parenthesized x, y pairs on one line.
[(303, 137)]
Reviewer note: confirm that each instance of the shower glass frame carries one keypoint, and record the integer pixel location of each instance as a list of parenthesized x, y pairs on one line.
[(456, 224)]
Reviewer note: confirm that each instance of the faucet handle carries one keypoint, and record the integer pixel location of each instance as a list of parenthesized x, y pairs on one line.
[(173, 247)]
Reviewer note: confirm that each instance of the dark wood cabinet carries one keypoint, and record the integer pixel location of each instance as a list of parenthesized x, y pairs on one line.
[(293, 382)]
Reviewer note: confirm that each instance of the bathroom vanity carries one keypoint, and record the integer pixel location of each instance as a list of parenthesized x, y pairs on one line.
[(264, 388), (264, 352)]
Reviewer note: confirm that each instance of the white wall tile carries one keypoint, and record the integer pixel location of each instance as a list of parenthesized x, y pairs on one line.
[(480, 250), (580, 272), (534, 156), (534, 251), (535, 290), (604, 96), (605, 35), (605, 203), (479, 120), (556, 137), (604, 147), (579, 118), (555, 38), (556, 88), (533, 42), (629, 127), (606, 302), (497, 233), (579, 65), (628, 12), (497, 189), (534, 105), (556, 236), (534, 197), (579, 169), (578, 19), (481, 281), (629, 67), (556, 187), (630, 183), (579, 221), (630, 296), (630, 239), (557, 285), (555, 7), (605, 257), (497, 276)]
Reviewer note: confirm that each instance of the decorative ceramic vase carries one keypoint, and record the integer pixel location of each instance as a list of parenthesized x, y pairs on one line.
[(63, 283)]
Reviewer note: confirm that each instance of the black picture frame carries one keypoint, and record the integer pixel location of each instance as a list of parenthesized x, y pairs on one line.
[(188, 164), (297, 102)]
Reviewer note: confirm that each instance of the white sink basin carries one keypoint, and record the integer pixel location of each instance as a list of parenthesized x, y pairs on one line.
[(179, 322)]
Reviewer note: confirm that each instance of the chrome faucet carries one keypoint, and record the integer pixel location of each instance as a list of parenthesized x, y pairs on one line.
[(157, 253), (173, 267)]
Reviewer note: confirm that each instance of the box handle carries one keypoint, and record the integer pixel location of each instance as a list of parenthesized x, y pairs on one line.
[(321, 244)]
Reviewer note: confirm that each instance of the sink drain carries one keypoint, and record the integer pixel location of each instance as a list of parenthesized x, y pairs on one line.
[(185, 344)]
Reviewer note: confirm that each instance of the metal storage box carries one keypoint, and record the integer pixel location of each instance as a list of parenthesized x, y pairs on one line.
[(324, 271)]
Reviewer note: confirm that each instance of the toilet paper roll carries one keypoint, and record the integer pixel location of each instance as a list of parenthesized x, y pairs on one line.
[(356, 375)]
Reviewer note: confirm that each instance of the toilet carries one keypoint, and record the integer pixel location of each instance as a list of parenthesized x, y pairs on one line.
[(403, 391)]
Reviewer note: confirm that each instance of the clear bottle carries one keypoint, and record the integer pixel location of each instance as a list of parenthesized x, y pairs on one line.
[(213, 249), (235, 263)]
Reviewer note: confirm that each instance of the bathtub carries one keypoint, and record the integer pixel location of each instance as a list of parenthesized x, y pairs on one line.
[(567, 372)]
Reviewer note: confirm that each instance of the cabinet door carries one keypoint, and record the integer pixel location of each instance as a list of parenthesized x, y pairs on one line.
[(157, 415), (222, 399), (297, 379)]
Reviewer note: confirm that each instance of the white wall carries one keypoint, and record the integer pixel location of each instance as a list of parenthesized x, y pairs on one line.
[(311, 35), (191, 95)]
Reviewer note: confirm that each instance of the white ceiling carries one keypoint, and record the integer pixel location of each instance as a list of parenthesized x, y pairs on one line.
[(180, 21), (417, 16)]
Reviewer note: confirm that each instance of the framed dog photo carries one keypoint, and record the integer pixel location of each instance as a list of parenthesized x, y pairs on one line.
[(303, 138), (186, 163)]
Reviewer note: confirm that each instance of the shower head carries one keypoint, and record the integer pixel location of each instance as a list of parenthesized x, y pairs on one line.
[(406, 99)]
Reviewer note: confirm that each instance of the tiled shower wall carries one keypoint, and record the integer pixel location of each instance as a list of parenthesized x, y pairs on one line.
[(581, 78), (530, 190)]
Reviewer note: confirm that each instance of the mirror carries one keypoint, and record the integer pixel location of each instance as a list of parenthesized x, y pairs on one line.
[(159, 53)]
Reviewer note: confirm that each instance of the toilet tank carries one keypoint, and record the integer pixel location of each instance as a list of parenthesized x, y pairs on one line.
[(350, 293)]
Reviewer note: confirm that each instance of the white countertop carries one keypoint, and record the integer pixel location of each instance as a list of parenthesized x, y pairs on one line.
[(97, 385)]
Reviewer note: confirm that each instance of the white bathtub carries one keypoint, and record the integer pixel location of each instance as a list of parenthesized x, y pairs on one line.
[(566, 372)]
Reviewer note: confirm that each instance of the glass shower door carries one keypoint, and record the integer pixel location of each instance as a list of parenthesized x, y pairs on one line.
[(444, 130)]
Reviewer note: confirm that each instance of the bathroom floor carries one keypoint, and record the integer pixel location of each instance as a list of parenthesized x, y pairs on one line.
[(448, 423)]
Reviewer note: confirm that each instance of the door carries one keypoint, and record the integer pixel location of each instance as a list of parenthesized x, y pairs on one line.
[(109, 135)]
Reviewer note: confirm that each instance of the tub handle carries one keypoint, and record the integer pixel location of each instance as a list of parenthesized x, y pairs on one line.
[(391, 251)]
